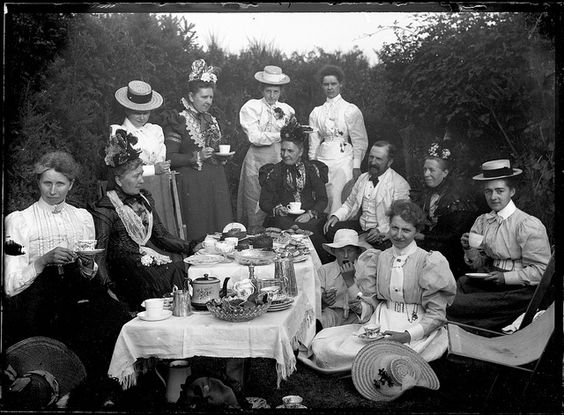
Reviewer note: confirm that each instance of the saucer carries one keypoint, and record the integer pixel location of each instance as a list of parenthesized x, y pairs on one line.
[(296, 212), (224, 154), (300, 406), (90, 251), (478, 275), (165, 314)]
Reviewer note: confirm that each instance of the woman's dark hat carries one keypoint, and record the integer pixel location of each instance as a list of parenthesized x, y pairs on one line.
[(40, 370), (497, 169), (385, 369), (120, 149), (139, 96)]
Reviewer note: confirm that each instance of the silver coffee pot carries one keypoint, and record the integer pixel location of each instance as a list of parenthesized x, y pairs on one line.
[(284, 271)]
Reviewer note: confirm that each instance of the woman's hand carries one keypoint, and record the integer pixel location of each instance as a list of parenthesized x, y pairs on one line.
[(374, 236), (464, 240), (328, 297), (496, 277), (162, 167), (58, 256), (398, 336), (280, 211), (330, 223), (206, 153), (306, 217)]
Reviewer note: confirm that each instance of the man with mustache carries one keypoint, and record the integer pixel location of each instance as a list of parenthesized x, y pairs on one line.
[(372, 195)]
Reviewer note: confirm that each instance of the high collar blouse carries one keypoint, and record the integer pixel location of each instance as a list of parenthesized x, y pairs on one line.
[(39, 230), (261, 122)]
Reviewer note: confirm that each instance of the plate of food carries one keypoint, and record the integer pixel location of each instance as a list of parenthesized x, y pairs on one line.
[(477, 275), (204, 259), (299, 258), (279, 306)]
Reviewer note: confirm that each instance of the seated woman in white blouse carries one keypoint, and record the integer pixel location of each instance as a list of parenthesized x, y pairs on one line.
[(412, 288), (51, 290)]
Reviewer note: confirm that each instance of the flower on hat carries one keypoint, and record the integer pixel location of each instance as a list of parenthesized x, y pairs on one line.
[(203, 72), (438, 151), (120, 148)]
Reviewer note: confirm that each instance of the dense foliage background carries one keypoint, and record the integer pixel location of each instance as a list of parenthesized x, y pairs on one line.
[(484, 81)]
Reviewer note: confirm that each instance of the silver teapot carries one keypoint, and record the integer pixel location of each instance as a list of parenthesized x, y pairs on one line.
[(284, 271)]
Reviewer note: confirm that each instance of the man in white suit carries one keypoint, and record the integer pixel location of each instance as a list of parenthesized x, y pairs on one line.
[(372, 195)]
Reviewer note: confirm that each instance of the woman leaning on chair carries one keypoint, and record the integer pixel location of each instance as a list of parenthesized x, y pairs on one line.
[(192, 139), (514, 253), (141, 258), (408, 292), (50, 289), (261, 120)]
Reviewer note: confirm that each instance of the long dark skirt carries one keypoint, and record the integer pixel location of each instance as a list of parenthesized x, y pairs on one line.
[(205, 200), (69, 308), (486, 305)]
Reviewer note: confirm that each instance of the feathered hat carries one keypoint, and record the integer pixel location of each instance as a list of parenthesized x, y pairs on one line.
[(120, 148), (203, 72)]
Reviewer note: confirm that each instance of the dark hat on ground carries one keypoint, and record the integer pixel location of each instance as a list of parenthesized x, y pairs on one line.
[(385, 369), (497, 169), (139, 96), (41, 371)]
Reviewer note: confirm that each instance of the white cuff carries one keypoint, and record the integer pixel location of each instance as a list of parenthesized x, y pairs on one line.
[(149, 170), (416, 332)]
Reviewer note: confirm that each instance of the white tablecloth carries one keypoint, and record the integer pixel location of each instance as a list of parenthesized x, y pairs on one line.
[(273, 335), (306, 275)]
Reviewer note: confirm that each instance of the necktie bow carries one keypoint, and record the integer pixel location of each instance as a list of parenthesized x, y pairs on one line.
[(493, 217), (374, 180)]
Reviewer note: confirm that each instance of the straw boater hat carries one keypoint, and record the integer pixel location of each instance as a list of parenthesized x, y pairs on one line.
[(139, 96), (40, 371), (385, 369), (497, 169), (272, 75), (343, 237)]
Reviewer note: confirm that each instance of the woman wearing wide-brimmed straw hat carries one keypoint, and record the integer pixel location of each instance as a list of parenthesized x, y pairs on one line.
[(261, 120), (513, 254), (192, 139), (411, 290), (339, 139), (138, 99)]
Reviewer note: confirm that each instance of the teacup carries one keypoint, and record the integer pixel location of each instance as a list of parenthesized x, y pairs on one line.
[(224, 148), (154, 307), (294, 206), (292, 401), (475, 239), (86, 244), (371, 329)]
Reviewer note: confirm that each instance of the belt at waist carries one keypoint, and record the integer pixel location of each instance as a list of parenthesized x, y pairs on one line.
[(403, 307), (508, 264), (334, 139)]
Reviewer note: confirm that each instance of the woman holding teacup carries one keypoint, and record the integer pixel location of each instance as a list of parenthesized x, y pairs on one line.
[(261, 119), (410, 290), (141, 258), (51, 289), (447, 209), (293, 191), (507, 245)]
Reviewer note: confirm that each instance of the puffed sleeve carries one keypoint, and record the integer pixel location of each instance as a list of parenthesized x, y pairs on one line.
[(313, 137), (19, 273), (366, 279), (439, 288), (535, 253), (249, 117), (175, 133), (357, 133)]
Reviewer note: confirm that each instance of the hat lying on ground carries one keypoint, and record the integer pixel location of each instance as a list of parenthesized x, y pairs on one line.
[(384, 369), (343, 237), (139, 96), (497, 169), (41, 371), (272, 75)]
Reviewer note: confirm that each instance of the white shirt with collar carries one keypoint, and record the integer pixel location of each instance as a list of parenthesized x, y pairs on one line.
[(374, 201), (39, 230), (150, 142), (338, 119)]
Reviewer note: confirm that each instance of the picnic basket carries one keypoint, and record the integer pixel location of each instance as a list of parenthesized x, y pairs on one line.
[(236, 314)]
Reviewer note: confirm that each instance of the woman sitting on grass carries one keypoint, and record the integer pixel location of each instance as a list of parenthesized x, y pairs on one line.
[(412, 290)]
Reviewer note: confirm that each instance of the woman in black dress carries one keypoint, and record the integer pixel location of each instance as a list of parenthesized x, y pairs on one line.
[(141, 258)]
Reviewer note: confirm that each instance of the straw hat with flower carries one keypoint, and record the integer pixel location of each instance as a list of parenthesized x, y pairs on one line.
[(384, 369), (40, 371), (272, 75)]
